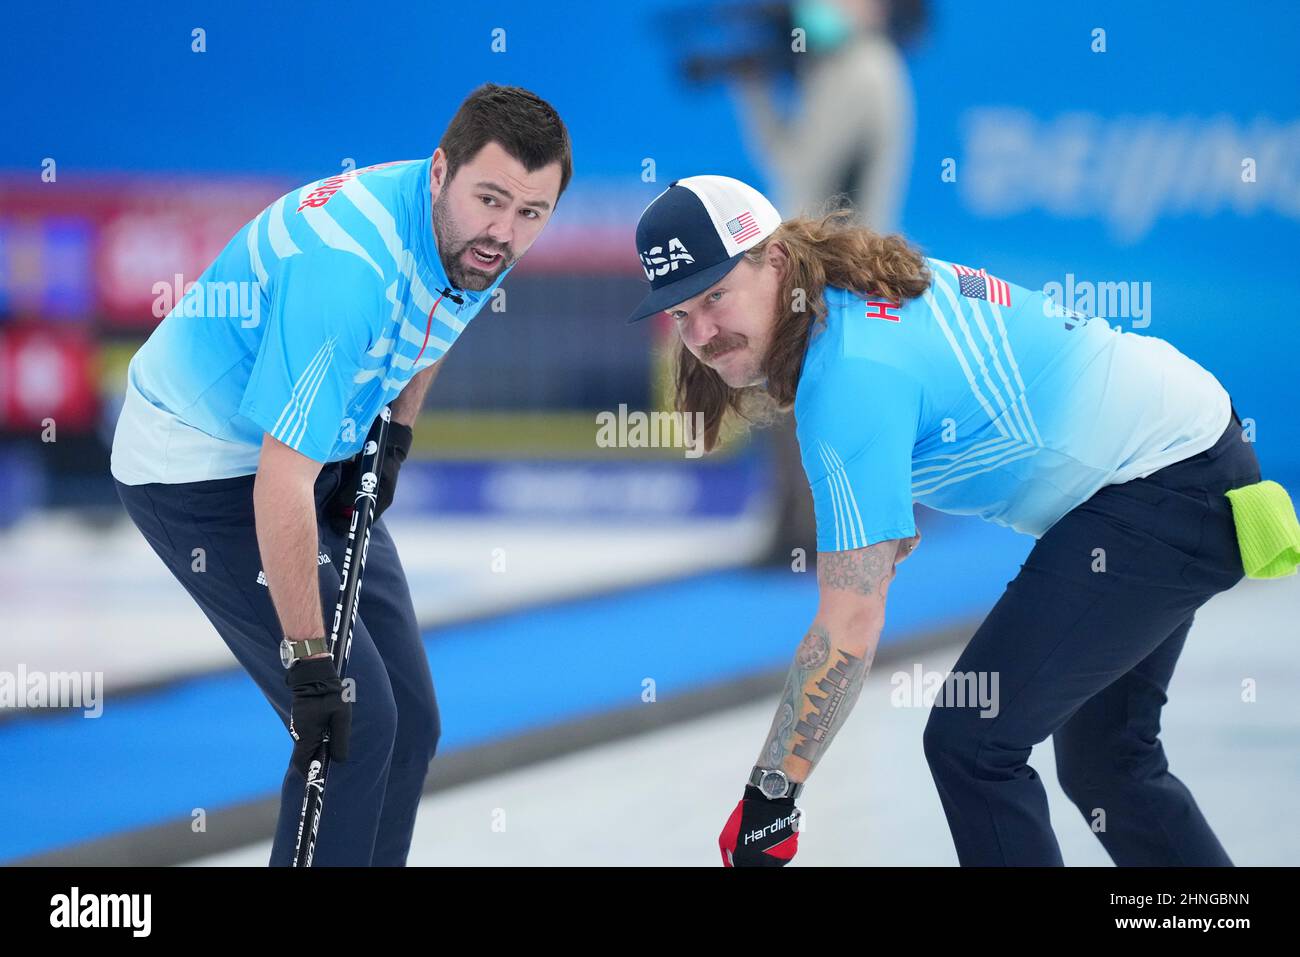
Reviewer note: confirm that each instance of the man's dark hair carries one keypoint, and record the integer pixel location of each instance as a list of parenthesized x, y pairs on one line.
[(525, 126)]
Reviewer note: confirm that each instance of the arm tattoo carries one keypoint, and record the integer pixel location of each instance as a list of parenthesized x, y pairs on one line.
[(812, 654), (819, 693), (807, 719), (839, 689), (866, 571)]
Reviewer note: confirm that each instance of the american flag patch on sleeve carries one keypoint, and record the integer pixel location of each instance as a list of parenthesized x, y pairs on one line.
[(978, 284)]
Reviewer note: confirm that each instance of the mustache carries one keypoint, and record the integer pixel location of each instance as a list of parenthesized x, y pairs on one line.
[(715, 349)]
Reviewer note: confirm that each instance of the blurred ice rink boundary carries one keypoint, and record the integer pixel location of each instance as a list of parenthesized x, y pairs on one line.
[(871, 801), (585, 615), (570, 637)]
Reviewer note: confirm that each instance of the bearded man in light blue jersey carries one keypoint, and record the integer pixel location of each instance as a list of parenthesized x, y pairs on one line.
[(914, 379), (240, 427)]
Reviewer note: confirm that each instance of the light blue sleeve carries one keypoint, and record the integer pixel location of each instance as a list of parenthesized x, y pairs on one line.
[(856, 427), (323, 306)]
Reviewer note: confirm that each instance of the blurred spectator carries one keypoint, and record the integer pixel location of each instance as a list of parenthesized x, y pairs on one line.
[(849, 137), (851, 131)]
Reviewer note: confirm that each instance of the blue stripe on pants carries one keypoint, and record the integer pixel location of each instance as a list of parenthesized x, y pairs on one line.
[(371, 802), (1083, 652)]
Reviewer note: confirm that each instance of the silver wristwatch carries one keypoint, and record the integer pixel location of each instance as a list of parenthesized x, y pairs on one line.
[(292, 652), (774, 783)]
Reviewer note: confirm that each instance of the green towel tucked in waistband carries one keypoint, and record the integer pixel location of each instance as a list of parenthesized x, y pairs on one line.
[(1268, 532)]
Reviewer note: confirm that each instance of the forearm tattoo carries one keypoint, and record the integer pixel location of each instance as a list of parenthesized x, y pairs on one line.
[(807, 718), (812, 653), (839, 688), (822, 687), (866, 571)]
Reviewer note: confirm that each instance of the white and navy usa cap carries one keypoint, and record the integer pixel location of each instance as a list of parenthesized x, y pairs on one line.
[(693, 233)]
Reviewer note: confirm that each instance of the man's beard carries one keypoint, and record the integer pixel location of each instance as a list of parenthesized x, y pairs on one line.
[(452, 248)]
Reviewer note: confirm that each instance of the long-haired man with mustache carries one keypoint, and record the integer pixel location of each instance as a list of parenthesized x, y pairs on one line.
[(235, 451), (914, 379)]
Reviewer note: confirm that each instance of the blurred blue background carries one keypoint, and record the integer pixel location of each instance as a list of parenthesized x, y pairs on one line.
[(1115, 166)]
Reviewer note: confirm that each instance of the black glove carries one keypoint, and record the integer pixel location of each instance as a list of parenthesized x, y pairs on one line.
[(761, 832), (339, 505), (317, 705)]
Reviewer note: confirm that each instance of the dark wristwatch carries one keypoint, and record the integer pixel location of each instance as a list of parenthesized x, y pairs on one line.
[(774, 784), (294, 651)]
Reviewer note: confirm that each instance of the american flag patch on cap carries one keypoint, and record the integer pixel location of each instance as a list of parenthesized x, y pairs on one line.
[(742, 227)]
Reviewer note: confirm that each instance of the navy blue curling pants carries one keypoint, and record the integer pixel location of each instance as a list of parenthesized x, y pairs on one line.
[(371, 801), (1084, 642)]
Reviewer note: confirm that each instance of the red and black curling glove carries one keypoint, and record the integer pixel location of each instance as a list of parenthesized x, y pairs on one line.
[(761, 832), (339, 507)]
